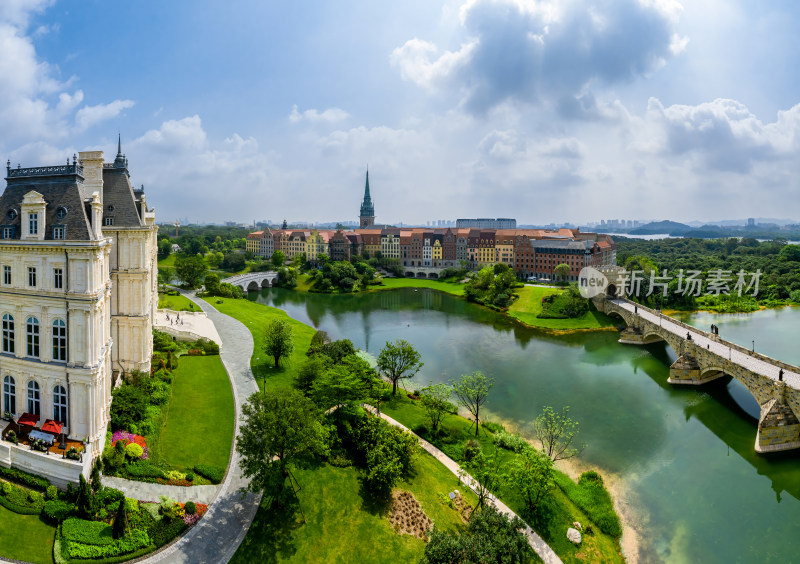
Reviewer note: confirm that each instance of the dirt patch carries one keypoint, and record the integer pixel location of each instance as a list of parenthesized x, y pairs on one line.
[(464, 509), (407, 516)]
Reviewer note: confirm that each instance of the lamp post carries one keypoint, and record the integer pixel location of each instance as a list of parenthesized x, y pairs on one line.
[(754, 346)]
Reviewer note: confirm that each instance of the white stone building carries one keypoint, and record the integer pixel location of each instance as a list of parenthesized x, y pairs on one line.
[(77, 300)]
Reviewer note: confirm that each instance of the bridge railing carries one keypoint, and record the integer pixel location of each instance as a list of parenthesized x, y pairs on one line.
[(734, 346)]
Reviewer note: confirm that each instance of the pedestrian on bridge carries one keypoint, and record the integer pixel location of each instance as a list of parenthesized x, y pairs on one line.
[(780, 375)]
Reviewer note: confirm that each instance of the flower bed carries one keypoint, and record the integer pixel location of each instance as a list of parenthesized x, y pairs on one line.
[(128, 438)]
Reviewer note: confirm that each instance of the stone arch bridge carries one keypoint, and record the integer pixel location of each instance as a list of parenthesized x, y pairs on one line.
[(430, 272), (253, 281), (703, 357)]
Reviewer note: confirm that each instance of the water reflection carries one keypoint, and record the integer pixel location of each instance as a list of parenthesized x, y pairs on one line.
[(684, 454)]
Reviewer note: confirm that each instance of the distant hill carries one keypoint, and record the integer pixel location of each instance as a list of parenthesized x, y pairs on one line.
[(668, 227)]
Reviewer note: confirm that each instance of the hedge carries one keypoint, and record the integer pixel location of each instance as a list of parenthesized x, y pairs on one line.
[(19, 500), (24, 478), (56, 511), (135, 540), (213, 473), (86, 532), (166, 530)]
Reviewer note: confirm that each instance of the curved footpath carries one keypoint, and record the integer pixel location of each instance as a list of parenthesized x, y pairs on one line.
[(219, 533), (537, 543)]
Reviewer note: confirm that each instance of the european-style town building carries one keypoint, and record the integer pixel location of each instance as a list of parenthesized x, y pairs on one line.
[(79, 293), (475, 243)]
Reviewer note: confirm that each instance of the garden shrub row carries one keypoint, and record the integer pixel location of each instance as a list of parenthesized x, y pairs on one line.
[(24, 478), (131, 542), (19, 500), (214, 474), (86, 532), (56, 511)]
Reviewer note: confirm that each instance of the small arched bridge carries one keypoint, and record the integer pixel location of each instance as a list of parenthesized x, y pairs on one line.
[(253, 281), (703, 357), (431, 272)]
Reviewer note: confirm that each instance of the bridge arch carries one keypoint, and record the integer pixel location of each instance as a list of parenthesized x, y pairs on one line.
[(253, 286), (410, 274)]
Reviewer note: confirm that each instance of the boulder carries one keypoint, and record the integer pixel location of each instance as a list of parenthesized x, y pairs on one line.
[(577, 526), (574, 536)]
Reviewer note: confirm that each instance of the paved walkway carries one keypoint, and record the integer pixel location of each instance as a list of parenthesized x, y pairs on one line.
[(718, 346), (145, 491), (188, 325), (220, 532), (537, 543)]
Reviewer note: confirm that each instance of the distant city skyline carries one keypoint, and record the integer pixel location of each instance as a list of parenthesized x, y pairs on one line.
[(461, 108)]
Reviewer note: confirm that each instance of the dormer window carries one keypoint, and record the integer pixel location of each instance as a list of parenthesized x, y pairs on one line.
[(11, 214), (61, 213), (108, 221), (58, 231)]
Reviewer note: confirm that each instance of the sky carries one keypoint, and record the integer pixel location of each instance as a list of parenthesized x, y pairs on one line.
[(546, 111)]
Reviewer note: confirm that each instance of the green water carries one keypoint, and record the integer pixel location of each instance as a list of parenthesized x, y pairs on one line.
[(684, 456)]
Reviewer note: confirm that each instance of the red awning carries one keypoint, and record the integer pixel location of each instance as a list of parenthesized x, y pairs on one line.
[(28, 419), (52, 426)]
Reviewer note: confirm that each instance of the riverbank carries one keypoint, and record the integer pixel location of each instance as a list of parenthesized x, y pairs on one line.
[(257, 316)]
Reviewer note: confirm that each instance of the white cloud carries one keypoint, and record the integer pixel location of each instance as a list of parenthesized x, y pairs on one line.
[(543, 51), (91, 115), (722, 135), (175, 136), (331, 115)]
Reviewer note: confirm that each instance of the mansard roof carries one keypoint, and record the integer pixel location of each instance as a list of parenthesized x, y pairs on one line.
[(60, 188), (119, 200)]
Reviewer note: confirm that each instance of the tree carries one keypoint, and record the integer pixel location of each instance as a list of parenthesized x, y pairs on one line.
[(486, 473), (278, 429), (556, 431), (278, 340), (309, 372), (164, 248), (85, 500), (399, 361), (472, 391), (532, 476), (190, 269), (436, 401), (278, 258), (489, 537), (233, 261), (212, 284), (120, 521), (563, 270), (337, 386)]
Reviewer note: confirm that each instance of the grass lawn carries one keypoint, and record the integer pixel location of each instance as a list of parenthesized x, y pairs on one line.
[(257, 317), (198, 421), (25, 537), (563, 512), (529, 305), (450, 287), (167, 262), (176, 303), (341, 526)]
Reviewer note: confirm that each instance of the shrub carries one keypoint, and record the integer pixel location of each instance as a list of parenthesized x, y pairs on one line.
[(190, 477), (52, 492), (166, 531), (24, 478), (134, 451), (56, 511), (34, 497), (213, 473), (510, 441), (86, 532), (131, 505), (590, 495), (190, 508), (144, 469), (132, 542), (471, 449)]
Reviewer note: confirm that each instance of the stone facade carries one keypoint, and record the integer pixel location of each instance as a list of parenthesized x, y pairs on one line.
[(78, 286), (778, 427)]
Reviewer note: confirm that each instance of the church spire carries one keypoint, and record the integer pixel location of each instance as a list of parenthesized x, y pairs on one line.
[(119, 144), (367, 215)]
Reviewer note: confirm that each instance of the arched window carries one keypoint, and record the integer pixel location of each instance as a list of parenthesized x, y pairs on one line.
[(60, 404), (9, 395), (33, 336), (33, 398), (8, 333), (59, 340)]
